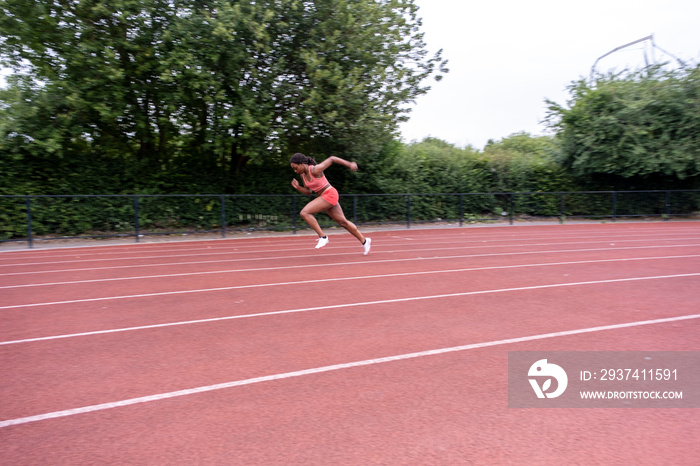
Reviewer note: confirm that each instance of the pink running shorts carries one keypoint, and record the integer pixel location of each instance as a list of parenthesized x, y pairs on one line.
[(331, 195)]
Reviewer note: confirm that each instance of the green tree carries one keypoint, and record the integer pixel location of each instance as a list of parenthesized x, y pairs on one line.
[(641, 129), (209, 86)]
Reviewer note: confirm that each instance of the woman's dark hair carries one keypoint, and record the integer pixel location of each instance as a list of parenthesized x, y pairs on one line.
[(301, 158)]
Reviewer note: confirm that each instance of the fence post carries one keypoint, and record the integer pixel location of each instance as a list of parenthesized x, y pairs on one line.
[(136, 217), (294, 214), (408, 211), (561, 208), (461, 209), (510, 216), (614, 205), (668, 206), (354, 209), (30, 234), (223, 216)]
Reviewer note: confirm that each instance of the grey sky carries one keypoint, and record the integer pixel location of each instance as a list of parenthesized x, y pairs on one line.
[(507, 56)]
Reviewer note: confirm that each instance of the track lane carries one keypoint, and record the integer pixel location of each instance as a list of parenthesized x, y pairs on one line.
[(8, 281), (89, 370), (82, 314), (446, 408), (343, 247), (450, 408), (386, 260), (464, 235)]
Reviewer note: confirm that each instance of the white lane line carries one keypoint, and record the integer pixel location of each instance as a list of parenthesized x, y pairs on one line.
[(305, 282), (191, 274), (339, 306), (227, 244), (477, 245), (334, 367), (461, 256)]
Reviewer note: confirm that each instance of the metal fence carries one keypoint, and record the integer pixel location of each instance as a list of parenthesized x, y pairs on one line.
[(44, 217)]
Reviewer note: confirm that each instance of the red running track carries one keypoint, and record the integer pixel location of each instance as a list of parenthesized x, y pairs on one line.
[(266, 351)]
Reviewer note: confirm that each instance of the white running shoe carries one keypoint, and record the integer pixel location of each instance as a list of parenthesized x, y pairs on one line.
[(321, 242), (367, 245)]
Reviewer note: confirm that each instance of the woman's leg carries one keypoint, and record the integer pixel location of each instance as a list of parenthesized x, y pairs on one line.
[(307, 213), (336, 213)]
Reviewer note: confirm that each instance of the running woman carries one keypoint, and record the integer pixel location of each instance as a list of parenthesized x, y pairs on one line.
[(327, 196)]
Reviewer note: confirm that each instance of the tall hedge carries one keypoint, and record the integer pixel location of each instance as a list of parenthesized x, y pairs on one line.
[(633, 130)]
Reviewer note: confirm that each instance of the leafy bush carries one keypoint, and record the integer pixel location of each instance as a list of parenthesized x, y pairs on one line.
[(636, 130)]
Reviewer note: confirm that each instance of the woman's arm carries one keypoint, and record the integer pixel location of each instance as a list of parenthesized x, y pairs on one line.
[(300, 188), (316, 170)]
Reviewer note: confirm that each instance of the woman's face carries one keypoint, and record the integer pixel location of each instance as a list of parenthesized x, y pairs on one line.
[(298, 168)]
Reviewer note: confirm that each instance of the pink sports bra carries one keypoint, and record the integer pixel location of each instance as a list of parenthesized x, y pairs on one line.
[(315, 184)]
